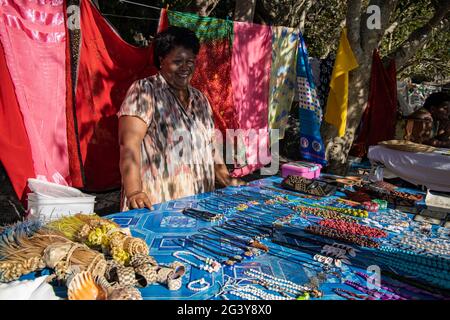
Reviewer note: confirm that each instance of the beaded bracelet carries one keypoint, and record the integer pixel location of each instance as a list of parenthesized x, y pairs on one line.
[(338, 235), (204, 285), (323, 213), (353, 228)]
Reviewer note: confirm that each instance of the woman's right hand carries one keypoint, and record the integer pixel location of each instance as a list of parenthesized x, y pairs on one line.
[(139, 200)]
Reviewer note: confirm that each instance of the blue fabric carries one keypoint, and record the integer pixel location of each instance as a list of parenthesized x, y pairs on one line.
[(311, 144)]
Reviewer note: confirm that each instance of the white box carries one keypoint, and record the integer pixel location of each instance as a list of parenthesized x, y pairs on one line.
[(51, 201)]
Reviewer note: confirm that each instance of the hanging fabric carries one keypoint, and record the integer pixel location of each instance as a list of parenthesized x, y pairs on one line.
[(282, 77), (310, 112), (213, 67), (33, 37), (250, 76), (163, 22), (336, 110), (325, 72), (107, 68), (379, 118), (15, 154), (72, 16)]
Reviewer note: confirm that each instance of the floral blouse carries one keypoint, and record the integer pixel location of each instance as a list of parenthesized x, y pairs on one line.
[(177, 150)]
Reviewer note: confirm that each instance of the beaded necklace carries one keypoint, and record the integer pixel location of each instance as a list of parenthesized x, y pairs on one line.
[(210, 265), (203, 215), (217, 245), (248, 252), (231, 260), (372, 292), (351, 295), (251, 243)]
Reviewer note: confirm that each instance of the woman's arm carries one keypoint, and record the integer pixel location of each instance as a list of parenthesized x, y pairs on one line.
[(132, 131)]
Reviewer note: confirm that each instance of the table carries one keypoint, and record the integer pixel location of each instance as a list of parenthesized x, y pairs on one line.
[(161, 227), (427, 169)]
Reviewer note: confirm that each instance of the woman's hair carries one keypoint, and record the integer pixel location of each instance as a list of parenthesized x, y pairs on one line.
[(171, 38), (436, 99)]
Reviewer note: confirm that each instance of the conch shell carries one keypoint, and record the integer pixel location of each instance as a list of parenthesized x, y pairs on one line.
[(84, 287)]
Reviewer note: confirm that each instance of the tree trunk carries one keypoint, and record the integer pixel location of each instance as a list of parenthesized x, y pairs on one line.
[(244, 10), (362, 41)]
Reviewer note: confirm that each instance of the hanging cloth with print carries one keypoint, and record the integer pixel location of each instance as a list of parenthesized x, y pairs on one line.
[(310, 112), (250, 77), (282, 77), (213, 67)]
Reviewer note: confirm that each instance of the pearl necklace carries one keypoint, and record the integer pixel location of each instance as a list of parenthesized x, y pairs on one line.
[(274, 280)]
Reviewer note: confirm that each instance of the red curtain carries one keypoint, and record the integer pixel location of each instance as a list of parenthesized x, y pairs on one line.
[(378, 121), (107, 68)]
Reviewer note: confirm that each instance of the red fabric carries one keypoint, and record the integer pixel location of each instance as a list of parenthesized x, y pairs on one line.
[(213, 78), (378, 121), (107, 68), (15, 149), (163, 21)]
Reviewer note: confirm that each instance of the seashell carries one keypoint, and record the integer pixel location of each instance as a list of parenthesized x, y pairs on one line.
[(135, 246), (84, 287)]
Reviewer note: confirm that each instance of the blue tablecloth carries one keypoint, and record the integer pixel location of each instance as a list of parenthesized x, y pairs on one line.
[(165, 224)]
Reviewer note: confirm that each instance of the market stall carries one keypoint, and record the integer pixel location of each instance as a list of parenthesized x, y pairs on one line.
[(272, 236)]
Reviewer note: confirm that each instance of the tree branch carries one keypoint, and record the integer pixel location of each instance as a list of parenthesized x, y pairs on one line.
[(204, 7), (416, 40), (308, 5)]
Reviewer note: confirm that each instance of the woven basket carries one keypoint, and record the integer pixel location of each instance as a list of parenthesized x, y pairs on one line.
[(407, 146)]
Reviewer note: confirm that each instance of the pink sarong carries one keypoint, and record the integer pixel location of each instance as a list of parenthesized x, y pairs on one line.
[(33, 36), (250, 77)]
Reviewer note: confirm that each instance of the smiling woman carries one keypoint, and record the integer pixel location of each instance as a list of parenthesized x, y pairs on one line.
[(166, 131)]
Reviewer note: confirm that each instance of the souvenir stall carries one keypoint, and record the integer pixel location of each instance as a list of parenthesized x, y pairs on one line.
[(305, 236), (275, 239)]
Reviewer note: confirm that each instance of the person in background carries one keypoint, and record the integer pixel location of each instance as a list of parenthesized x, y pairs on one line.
[(166, 130), (431, 123)]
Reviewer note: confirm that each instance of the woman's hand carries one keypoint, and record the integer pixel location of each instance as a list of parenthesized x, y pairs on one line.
[(139, 200), (223, 178)]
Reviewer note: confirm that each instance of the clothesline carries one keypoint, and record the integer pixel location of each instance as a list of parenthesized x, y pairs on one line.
[(140, 4), (129, 17)]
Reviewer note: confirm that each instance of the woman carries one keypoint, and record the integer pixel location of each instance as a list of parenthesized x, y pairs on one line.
[(166, 131), (434, 117)]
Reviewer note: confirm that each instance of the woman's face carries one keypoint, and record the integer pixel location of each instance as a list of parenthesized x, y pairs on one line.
[(178, 67)]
